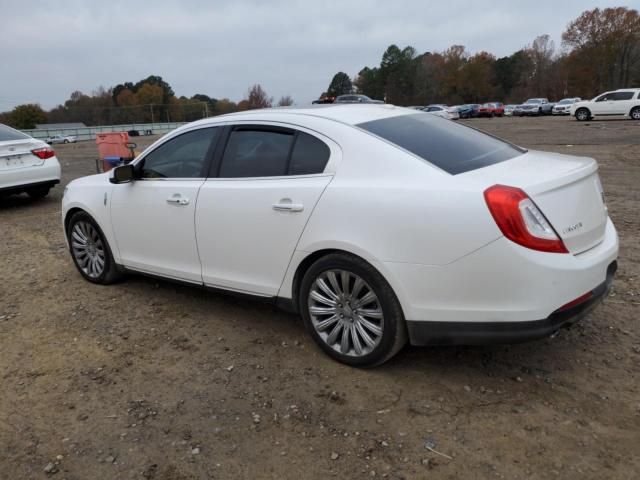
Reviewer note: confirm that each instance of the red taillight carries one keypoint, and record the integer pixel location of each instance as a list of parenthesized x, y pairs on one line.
[(43, 153), (520, 220), (576, 302)]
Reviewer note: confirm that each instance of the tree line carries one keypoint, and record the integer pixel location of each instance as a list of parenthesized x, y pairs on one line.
[(600, 51), (149, 100)]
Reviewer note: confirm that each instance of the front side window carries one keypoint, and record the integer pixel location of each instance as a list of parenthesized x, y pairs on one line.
[(448, 145), (181, 157), (604, 97)]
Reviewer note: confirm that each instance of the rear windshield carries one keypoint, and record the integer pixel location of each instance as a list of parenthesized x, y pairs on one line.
[(7, 133), (446, 144)]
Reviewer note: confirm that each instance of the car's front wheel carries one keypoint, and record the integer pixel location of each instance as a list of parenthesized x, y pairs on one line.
[(583, 114), (90, 251), (351, 311)]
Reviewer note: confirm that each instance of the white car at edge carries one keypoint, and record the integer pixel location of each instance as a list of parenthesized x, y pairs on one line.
[(624, 101), (26, 164), (376, 223)]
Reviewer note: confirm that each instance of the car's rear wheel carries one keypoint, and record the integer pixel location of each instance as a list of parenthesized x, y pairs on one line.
[(39, 191), (90, 251), (351, 311), (583, 114), (66, 141), (635, 113)]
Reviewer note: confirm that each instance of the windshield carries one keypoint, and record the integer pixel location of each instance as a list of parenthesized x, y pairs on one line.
[(8, 134), (448, 145), (534, 100), (565, 101)]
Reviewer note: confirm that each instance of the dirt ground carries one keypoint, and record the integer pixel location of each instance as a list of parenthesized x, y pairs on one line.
[(149, 380)]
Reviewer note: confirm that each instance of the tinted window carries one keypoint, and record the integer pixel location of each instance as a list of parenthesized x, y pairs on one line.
[(310, 155), (181, 157), (7, 133), (622, 96), (452, 147), (256, 153)]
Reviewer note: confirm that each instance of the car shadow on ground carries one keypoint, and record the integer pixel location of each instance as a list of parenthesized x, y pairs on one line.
[(263, 318)]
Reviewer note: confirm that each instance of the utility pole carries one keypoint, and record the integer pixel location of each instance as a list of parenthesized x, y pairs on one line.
[(151, 108), (206, 109)]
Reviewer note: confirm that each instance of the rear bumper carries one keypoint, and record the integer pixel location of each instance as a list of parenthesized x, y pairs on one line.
[(20, 179), (484, 333)]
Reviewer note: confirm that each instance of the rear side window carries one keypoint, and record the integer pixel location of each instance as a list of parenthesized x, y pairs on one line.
[(8, 134), (310, 155), (622, 96), (256, 153), (448, 145), (260, 152)]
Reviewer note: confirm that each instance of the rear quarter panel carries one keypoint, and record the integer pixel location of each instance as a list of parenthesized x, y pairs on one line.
[(387, 205)]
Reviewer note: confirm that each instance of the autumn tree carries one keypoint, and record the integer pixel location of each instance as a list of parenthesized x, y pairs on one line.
[(605, 49)]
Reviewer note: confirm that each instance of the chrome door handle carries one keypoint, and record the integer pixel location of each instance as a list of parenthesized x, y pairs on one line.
[(178, 201), (288, 207)]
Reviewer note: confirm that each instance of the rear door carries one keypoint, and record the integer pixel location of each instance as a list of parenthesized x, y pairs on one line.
[(622, 102), (253, 209)]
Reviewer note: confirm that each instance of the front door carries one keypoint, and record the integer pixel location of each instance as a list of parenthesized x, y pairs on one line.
[(153, 216), (252, 212)]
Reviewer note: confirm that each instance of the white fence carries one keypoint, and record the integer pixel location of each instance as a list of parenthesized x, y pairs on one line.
[(89, 133)]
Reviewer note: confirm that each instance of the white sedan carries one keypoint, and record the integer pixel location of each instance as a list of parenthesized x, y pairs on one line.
[(61, 139), (26, 164), (376, 223), (450, 113)]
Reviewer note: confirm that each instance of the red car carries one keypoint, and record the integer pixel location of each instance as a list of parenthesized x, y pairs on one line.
[(495, 109), (498, 109)]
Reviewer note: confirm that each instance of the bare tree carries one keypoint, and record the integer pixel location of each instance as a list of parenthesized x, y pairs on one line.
[(257, 98), (285, 101)]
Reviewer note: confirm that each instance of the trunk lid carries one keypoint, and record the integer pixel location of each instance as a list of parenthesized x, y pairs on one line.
[(565, 188), (17, 154)]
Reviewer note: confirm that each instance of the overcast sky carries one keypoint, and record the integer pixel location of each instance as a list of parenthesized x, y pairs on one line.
[(50, 48)]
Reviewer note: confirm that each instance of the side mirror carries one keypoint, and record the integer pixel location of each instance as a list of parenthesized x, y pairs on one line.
[(122, 174)]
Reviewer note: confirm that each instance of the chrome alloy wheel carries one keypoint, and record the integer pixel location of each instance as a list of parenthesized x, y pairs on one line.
[(88, 249), (346, 313)]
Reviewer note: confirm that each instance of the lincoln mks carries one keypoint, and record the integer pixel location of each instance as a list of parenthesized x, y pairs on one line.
[(377, 224)]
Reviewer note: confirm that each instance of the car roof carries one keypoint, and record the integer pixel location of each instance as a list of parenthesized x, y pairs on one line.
[(351, 114)]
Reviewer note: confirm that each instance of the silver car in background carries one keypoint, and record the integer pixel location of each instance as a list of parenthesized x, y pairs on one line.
[(450, 113)]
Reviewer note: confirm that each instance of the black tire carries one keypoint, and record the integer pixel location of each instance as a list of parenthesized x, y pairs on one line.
[(394, 332), (65, 141), (38, 192), (635, 113), (583, 114), (110, 272)]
